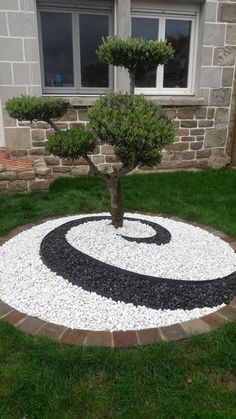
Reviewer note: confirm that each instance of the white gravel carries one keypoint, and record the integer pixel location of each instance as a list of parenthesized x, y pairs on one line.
[(192, 254), (29, 286)]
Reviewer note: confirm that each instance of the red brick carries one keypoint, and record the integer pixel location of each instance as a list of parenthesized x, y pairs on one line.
[(31, 325), (125, 339), (74, 337), (52, 330), (228, 312), (173, 332), (147, 336), (15, 317), (4, 309), (98, 339), (214, 320)]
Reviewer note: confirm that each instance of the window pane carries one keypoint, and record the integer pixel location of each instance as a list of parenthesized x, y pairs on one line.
[(92, 29), (57, 49), (148, 29), (178, 33)]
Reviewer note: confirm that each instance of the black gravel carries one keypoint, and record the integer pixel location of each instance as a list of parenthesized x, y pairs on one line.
[(121, 285)]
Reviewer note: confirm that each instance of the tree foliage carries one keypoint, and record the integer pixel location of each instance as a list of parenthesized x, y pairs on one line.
[(136, 127), (71, 144), (33, 108), (134, 53)]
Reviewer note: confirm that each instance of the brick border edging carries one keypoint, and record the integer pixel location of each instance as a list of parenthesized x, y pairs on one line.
[(119, 339)]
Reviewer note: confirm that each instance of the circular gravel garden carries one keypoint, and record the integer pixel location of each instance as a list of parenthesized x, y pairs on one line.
[(82, 273)]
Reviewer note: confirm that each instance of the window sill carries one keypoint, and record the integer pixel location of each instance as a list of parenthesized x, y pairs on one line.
[(178, 100), (84, 101)]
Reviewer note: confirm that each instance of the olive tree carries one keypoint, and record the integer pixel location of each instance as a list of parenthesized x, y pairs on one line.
[(134, 54), (137, 128)]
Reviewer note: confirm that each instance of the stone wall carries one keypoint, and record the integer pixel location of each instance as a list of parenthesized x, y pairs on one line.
[(204, 132), (15, 179)]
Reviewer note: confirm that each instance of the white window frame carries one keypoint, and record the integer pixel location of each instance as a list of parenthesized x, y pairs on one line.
[(162, 16), (75, 12)]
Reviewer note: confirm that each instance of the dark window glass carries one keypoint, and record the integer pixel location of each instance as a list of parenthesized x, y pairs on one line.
[(148, 29), (178, 33), (57, 49), (92, 29)]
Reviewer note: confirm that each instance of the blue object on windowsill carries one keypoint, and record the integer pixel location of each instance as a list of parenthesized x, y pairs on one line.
[(58, 80)]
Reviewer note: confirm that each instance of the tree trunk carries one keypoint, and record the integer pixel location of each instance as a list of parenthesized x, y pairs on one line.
[(117, 211), (132, 82)]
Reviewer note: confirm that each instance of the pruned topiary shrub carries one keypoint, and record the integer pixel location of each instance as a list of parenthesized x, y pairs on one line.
[(137, 128), (33, 108), (134, 54)]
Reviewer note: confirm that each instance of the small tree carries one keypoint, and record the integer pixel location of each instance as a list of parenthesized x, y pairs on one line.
[(33, 108), (137, 128), (134, 54)]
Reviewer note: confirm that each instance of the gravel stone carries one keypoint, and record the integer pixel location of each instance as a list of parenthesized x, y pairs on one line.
[(29, 286)]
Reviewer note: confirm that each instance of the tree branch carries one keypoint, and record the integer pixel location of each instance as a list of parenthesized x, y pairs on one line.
[(53, 125), (127, 169), (94, 168)]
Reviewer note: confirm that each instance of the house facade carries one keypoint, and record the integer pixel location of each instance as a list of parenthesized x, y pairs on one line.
[(48, 47)]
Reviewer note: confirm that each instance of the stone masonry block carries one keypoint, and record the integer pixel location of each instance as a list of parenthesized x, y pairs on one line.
[(71, 115), (19, 153), (31, 50), (22, 24), (38, 135), (8, 175), (10, 91), (9, 5), (231, 35), (222, 117), (52, 160), (220, 97), (17, 186), (214, 34), (7, 120), (98, 159), (201, 113), (210, 113), (227, 77), (188, 124), (215, 137), (3, 24), (207, 53), (21, 73), (186, 113), (211, 12), (5, 73), (210, 77), (83, 115), (225, 56), (203, 154), (107, 149), (31, 6), (11, 49), (29, 175), (227, 12), (3, 186), (17, 138), (39, 185)]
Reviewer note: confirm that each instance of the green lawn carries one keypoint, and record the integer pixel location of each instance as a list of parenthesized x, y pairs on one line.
[(191, 379)]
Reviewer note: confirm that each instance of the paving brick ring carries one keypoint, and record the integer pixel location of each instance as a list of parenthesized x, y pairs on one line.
[(122, 285)]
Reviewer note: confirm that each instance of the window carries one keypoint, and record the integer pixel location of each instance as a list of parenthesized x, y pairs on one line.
[(69, 40), (178, 75)]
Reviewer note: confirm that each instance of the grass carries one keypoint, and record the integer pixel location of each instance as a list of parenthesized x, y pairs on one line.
[(208, 197), (40, 379)]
